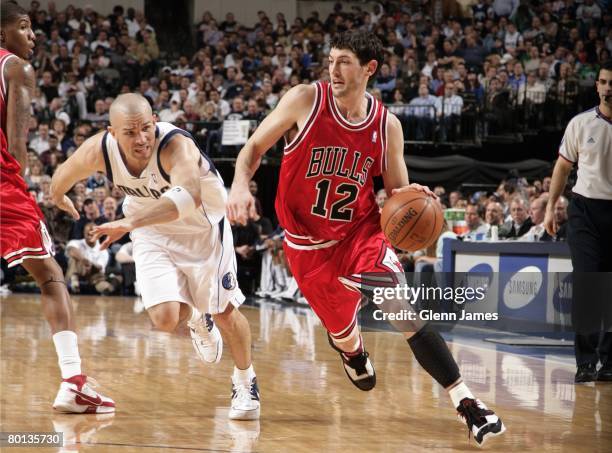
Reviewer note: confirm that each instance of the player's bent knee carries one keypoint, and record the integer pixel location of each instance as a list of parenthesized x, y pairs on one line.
[(165, 317)]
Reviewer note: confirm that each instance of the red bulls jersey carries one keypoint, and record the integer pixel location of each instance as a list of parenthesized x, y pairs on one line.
[(8, 164), (326, 187)]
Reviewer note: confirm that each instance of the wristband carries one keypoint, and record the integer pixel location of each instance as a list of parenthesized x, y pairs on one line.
[(182, 199)]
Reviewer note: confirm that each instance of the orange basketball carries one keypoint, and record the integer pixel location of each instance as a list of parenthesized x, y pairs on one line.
[(412, 220)]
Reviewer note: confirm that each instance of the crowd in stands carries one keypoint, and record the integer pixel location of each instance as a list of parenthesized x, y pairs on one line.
[(441, 65)]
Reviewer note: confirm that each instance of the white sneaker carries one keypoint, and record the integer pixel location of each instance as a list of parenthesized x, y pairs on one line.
[(77, 396), (206, 339), (245, 401)]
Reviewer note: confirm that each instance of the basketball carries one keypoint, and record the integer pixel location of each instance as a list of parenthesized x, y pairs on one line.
[(411, 220)]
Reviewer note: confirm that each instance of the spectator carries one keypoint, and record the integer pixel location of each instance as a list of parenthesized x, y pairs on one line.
[(40, 143), (517, 80), (99, 118), (385, 82), (521, 223), (452, 106), (494, 214), (171, 114), (537, 211), (87, 263), (513, 40), (125, 258), (477, 229), (422, 112), (90, 214), (381, 198), (532, 91), (560, 220)]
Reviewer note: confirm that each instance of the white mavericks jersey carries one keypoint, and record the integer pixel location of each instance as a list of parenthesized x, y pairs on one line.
[(144, 190)]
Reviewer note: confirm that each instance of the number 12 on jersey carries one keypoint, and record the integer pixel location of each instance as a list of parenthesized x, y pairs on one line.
[(339, 210)]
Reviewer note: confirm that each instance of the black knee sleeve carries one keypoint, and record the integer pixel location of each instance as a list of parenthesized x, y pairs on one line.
[(433, 355)]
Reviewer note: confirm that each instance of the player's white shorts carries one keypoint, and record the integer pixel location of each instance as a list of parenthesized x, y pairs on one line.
[(198, 269)]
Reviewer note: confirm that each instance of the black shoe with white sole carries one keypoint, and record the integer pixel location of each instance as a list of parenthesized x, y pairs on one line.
[(358, 368), (482, 423)]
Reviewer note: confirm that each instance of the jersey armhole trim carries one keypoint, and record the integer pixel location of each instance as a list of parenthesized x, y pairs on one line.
[(565, 158), (107, 164), (309, 122), (383, 139), (164, 143), (6, 58)]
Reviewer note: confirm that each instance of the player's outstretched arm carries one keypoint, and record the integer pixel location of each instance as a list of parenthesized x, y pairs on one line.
[(395, 176), (21, 81), (180, 160), (85, 161), (293, 107)]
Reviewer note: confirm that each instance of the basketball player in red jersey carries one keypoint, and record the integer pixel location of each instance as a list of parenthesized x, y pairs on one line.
[(23, 236), (338, 137)]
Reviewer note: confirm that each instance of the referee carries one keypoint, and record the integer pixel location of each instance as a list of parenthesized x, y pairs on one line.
[(587, 142)]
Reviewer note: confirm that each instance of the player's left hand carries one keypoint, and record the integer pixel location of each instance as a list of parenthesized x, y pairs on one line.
[(112, 230), (416, 187), (66, 204)]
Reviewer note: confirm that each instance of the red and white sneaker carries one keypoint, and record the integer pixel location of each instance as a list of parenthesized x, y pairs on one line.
[(77, 396)]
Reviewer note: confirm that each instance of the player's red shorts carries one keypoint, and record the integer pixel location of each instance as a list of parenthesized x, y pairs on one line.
[(23, 234), (329, 277)]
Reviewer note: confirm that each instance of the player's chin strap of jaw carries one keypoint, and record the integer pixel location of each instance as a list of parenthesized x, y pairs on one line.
[(182, 199)]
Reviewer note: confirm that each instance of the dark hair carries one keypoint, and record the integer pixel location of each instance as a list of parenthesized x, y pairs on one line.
[(605, 66), (11, 12), (367, 46)]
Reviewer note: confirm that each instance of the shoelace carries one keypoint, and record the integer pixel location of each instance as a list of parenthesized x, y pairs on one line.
[(202, 331), (90, 384), (242, 392), (470, 414), (360, 367)]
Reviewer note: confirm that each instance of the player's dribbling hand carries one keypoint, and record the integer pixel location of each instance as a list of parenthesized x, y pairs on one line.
[(66, 205), (417, 187), (550, 224), (240, 206), (112, 230)]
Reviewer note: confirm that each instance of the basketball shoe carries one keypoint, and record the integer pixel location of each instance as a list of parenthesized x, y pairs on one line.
[(481, 422), (77, 396), (358, 368), (245, 401), (206, 339)]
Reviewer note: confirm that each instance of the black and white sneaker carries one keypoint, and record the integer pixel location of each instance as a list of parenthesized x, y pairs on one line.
[(206, 339), (245, 401), (358, 368), (481, 422)]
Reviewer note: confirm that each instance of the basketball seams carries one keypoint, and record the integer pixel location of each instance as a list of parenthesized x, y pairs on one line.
[(398, 225), (416, 220), (400, 207)]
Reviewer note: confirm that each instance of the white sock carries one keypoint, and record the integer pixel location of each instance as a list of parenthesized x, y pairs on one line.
[(67, 348), (195, 315), (458, 392), (243, 376)]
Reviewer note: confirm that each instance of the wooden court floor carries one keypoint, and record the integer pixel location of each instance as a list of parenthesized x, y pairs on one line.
[(169, 401)]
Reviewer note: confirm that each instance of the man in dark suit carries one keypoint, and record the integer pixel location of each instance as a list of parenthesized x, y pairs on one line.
[(521, 223)]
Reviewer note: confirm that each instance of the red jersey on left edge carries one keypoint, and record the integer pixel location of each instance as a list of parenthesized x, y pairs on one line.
[(326, 189), (8, 164)]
